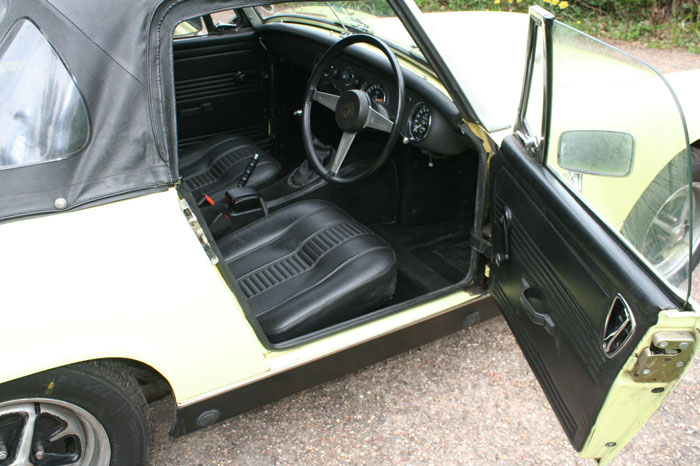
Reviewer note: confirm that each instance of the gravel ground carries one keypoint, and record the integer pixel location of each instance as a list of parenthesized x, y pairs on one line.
[(468, 398), (664, 60)]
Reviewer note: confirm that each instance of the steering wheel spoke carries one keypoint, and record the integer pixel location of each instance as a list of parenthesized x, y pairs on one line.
[(330, 101), (379, 122), (343, 148), (353, 113)]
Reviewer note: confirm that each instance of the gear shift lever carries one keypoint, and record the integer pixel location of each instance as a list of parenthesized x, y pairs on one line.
[(304, 174)]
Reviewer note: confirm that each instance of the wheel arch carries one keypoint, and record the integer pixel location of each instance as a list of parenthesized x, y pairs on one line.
[(144, 372), (147, 375)]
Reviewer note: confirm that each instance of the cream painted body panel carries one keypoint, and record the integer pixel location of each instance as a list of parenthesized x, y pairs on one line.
[(283, 360), (123, 280), (131, 280), (685, 85), (629, 403)]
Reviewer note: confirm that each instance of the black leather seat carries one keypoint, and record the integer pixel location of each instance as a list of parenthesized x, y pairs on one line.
[(308, 266), (216, 164)]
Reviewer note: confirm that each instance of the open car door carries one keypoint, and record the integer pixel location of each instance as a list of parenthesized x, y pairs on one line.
[(592, 219)]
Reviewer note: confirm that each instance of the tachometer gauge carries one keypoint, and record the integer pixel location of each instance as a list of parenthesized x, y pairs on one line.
[(376, 92), (419, 122), (348, 76)]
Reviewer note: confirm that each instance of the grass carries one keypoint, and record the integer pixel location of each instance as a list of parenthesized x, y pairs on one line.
[(657, 23)]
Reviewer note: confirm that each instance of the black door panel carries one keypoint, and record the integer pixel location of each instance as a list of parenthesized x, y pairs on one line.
[(221, 86), (558, 283)]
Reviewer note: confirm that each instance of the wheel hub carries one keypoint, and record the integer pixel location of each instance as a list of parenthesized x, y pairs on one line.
[(667, 242), (39, 431)]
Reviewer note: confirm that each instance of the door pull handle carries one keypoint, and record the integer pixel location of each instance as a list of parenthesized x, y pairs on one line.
[(619, 326), (190, 112), (537, 318), (506, 221)]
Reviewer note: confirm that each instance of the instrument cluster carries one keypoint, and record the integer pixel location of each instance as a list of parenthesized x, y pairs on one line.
[(342, 77)]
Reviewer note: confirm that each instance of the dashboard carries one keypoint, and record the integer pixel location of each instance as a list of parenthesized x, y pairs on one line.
[(432, 118), (340, 76)]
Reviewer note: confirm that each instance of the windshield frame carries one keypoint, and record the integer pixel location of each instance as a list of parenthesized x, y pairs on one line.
[(342, 22)]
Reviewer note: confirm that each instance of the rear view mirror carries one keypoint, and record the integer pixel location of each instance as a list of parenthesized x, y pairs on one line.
[(605, 153)]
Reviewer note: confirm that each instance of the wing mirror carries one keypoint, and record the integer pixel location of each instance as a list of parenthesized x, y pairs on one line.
[(605, 153)]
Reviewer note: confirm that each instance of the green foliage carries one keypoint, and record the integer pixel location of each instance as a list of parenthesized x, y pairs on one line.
[(373, 7), (661, 23)]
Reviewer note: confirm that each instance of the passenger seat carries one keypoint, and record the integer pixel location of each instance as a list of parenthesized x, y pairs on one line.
[(215, 165)]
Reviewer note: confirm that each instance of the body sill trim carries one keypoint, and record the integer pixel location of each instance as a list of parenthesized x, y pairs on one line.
[(271, 373)]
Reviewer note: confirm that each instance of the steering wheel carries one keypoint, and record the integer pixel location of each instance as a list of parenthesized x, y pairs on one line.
[(353, 113)]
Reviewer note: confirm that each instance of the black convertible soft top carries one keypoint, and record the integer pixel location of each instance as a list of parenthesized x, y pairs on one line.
[(119, 54)]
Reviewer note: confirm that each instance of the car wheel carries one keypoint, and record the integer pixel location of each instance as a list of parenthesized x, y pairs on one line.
[(85, 414), (658, 225), (695, 167)]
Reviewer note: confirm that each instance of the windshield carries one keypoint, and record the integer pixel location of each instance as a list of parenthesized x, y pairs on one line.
[(486, 49), (373, 17)]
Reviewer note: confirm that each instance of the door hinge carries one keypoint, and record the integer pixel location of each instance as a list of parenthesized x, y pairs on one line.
[(666, 358), (481, 246)]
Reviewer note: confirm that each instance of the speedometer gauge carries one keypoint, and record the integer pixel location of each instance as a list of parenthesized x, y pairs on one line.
[(376, 92), (419, 122)]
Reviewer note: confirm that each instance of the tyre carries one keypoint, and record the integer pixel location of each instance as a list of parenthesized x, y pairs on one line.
[(83, 414), (695, 167), (659, 226)]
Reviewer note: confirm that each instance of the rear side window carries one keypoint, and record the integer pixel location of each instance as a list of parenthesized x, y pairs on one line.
[(191, 28), (3, 9), (43, 116), (221, 22)]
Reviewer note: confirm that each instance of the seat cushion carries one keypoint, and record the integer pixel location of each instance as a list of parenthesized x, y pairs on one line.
[(309, 266), (216, 164)]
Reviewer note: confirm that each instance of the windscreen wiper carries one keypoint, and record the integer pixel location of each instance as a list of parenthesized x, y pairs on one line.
[(340, 21), (351, 25)]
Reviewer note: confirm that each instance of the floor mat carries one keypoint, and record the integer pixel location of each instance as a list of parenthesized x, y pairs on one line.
[(451, 259), (430, 257)]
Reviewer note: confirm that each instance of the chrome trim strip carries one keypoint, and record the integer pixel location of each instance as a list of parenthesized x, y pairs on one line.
[(629, 320)]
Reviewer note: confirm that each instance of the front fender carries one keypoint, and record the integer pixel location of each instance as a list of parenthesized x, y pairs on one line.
[(685, 85)]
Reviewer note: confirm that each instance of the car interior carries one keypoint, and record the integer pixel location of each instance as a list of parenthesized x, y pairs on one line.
[(385, 224)]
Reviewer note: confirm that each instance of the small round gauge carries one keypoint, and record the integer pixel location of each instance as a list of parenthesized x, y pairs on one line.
[(348, 76), (419, 122), (376, 92)]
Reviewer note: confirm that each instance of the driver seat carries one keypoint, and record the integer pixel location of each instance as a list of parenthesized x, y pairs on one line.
[(308, 266), (215, 165)]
